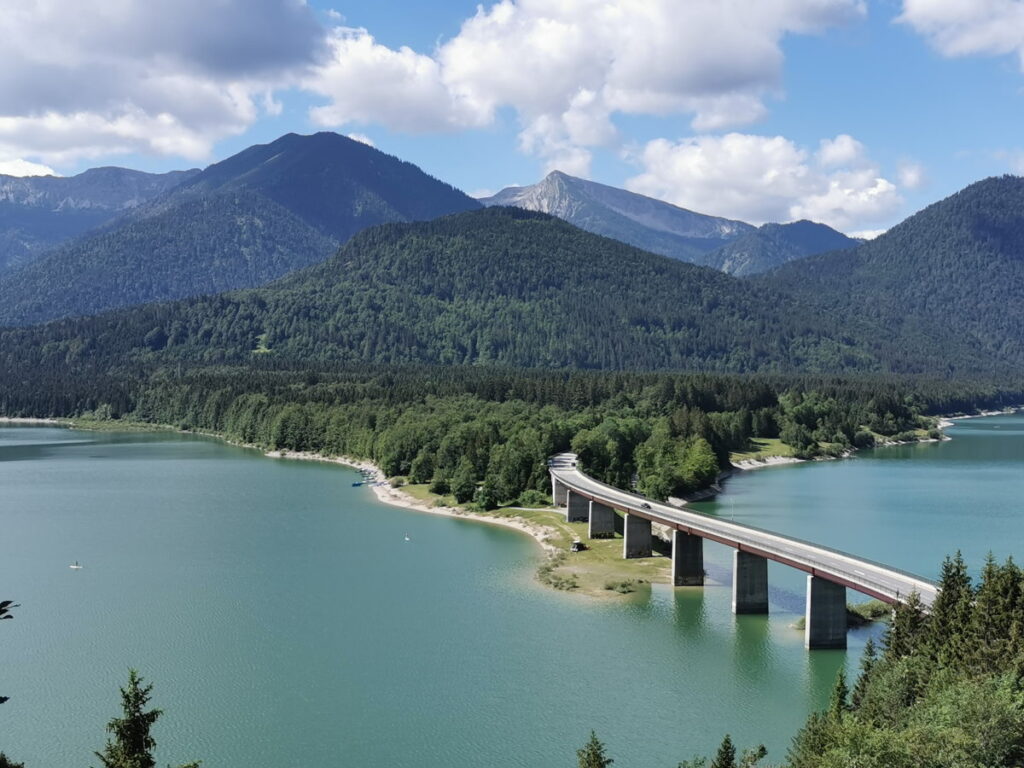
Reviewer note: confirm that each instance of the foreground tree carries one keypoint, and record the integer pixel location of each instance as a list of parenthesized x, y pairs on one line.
[(592, 754), (5, 613), (132, 744)]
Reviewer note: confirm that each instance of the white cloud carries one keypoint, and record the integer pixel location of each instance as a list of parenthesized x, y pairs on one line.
[(768, 178), (164, 76), (842, 150), (567, 67), (362, 138), (19, 167), (969, 27), (868, 234)]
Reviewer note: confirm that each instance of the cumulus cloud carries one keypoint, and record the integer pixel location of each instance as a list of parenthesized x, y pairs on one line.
[(362, 138), (768, 178), (19, 167), (567, 67), (164, 76), (969, 27)]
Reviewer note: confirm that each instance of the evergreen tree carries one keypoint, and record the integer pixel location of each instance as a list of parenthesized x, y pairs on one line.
[(5, 613), (906, 633), (132, 744), (837, 703), (726, 756), (5, 762), (592, 754), (950, 612), (867, 663)]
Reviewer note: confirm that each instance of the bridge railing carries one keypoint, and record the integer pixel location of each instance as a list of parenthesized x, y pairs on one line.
[(733, 529)]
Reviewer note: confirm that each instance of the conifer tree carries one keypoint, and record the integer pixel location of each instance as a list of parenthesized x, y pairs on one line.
[(837, 704), (867, 664), (592, 754), (132, 744), (726, 756)]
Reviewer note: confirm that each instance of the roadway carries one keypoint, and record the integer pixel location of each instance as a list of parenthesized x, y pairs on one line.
[(868, 577)]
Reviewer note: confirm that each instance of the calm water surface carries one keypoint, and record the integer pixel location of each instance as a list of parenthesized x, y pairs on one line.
[(286, 622)]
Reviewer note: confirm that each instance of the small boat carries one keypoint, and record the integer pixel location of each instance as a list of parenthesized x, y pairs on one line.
[(407, 537), (75, 566), (356, 485)]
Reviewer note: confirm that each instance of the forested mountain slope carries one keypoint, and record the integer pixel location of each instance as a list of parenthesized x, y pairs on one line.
[(338, 185), (39, 212), (266, 211), (650, 224), (954, 271), (200, 245), (499, 286), (773, 245)]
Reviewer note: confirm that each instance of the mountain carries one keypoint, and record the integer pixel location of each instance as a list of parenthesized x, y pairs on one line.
[(650, 224), (953, 272), (772, 245), (39, 212), (239, 223), (337, 185), (499, 286)]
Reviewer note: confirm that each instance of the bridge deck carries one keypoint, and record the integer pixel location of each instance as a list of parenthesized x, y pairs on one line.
[(865, 576)]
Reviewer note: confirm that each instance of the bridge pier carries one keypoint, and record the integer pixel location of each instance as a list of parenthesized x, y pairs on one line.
[(577, 509), (636, 540), (749, 583), (825, 620), (602, 521), (687, 560), (559, 493)]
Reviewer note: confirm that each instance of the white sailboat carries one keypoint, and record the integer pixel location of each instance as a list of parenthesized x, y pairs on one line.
[(75, 566)]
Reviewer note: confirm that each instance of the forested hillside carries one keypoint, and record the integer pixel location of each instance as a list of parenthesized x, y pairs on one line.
[(266, 211), (337, 185), (200, 245), (954, 270), (39, 212), (497, 286)]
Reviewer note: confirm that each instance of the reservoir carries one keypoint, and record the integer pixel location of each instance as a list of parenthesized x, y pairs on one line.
[(285, 620)]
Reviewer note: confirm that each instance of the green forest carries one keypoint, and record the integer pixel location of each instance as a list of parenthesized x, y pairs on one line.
[(493, 429)]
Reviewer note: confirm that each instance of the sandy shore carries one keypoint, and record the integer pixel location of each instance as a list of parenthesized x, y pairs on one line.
[(26, 420), (398, 498)]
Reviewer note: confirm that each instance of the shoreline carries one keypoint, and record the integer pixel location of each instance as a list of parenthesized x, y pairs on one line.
[(395, 497)]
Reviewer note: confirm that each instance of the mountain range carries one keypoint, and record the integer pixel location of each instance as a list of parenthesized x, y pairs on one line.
[(244, 221), (731, 246), (938, 294), (39, 212), (650, 224), (501, 286)]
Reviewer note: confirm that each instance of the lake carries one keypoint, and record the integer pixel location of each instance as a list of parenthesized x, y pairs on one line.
[(285, 621)]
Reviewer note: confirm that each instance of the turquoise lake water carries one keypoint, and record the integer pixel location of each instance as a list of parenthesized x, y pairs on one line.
[(285, 621)]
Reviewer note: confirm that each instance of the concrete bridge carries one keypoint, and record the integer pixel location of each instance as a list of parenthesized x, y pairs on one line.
[(829, 572)]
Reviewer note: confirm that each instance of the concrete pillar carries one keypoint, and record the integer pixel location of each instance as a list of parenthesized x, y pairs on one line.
[(559, 493), (749, 583), (578, 508), (687, 560), (636, 540), (825, 620), (602, 521)]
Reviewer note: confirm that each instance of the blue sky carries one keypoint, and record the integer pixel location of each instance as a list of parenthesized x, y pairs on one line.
[(852, 112)]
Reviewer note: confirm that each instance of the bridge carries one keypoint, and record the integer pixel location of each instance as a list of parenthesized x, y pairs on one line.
[(829, 571)]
